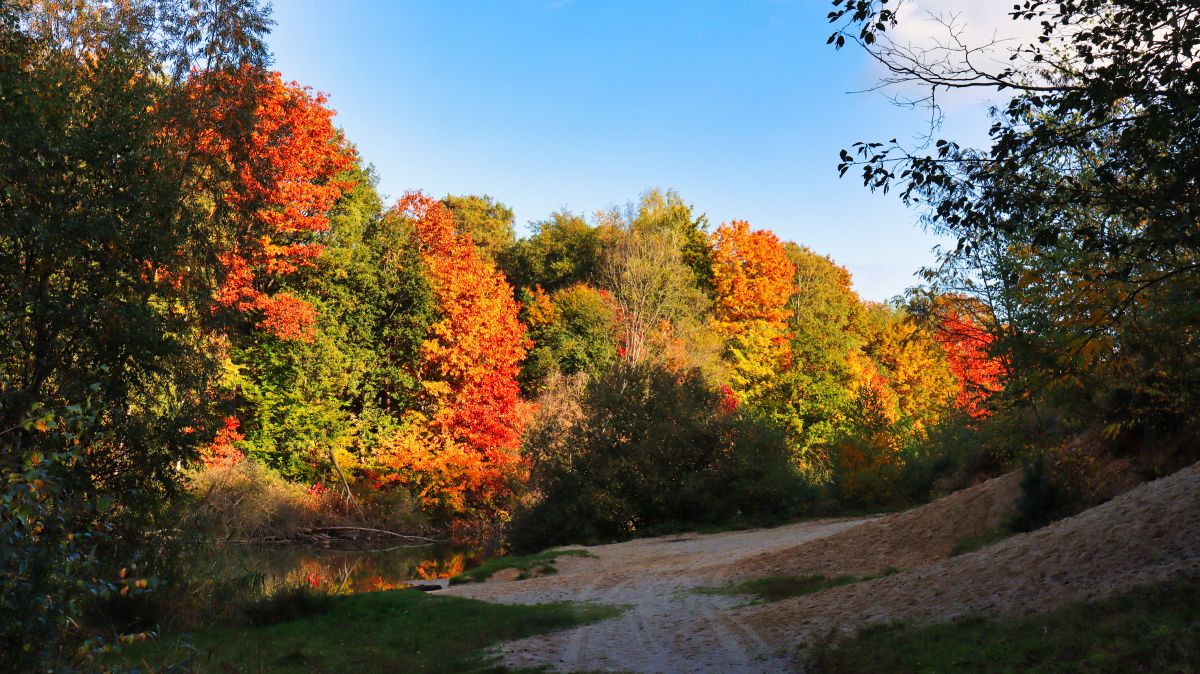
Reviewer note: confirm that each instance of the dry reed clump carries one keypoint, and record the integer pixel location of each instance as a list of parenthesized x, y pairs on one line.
[(249, 501)]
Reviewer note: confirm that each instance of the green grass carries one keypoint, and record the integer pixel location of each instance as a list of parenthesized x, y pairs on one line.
[(539, 564), (980, 541), (394, 631), (775, 588), (1152, 629)]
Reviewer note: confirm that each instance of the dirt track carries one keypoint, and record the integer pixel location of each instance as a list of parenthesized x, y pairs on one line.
[(666, 628), (1148, 534)]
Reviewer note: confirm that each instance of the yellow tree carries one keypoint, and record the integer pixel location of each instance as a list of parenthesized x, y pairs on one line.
[(753, 281), (903, 386)]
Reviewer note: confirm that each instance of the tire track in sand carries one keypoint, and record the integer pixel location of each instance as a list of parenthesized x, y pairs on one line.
[(666, 626)]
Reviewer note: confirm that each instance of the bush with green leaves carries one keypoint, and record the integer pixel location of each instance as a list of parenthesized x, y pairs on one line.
[(654, 449), (59, 537)]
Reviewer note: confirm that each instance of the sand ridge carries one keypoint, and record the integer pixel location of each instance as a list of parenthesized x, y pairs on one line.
[(903, 540), (1149, 534)]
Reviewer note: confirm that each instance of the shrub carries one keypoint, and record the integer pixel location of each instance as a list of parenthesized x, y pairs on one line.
[(1043, 498), (654, 447), (42, 549), (64, 545), (286, 603)]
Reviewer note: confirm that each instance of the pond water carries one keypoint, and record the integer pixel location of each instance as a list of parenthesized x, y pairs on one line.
[(349, 571)]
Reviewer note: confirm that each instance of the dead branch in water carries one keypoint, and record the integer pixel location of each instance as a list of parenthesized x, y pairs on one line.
[(329, 535), (378, 531)]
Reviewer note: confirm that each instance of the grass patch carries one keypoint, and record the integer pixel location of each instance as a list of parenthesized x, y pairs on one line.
[(775, 588), (1152, 629), (286, 604), (981, 540), (394, 631), (538, 564)]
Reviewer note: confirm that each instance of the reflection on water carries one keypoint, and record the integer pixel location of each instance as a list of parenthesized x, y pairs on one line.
[(350, 571)]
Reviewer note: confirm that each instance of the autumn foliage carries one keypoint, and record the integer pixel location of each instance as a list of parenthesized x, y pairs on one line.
[(967, 345), (223, 450), (287, 175), (753, 281), (753, 278), (463, 451)]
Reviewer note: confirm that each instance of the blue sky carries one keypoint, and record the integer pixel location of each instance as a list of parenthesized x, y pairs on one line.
[(544, 104)]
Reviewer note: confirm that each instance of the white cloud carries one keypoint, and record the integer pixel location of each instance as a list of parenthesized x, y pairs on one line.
[(941, 28), (921, 22)]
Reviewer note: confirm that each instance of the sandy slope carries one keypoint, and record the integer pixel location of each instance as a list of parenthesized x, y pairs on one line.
[(1150, 533), (902, 541)]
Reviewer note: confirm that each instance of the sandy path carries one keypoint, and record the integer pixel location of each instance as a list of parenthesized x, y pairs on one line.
[(1148, 534), (666, 627)]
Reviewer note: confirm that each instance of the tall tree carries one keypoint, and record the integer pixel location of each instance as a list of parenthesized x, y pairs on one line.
[(753, 282), (106, 270), (562, 251), (653, 287), (462, 454), (1076, 225), (488, 222), (289, 172), (659, 211)]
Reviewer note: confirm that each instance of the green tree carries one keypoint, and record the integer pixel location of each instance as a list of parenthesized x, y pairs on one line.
[(562, 251), (659, 211), (814, 398), (574, 331), (312, 406), (489, 223), (659, 303), (108, 242)]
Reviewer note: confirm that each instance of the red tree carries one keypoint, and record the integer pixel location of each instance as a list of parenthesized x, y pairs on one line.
[(968, 344), (286, 176), (223, 450)]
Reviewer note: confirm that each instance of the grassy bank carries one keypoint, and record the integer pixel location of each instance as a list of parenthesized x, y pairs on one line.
[(527, 566), (395, 631), (1152, 629)]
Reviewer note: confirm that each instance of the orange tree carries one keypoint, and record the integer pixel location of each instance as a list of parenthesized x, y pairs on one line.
[(753, 280), (459, 448), (904, 387)]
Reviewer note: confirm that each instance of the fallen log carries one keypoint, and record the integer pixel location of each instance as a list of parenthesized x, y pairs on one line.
[(376, 531), (332, 535)]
